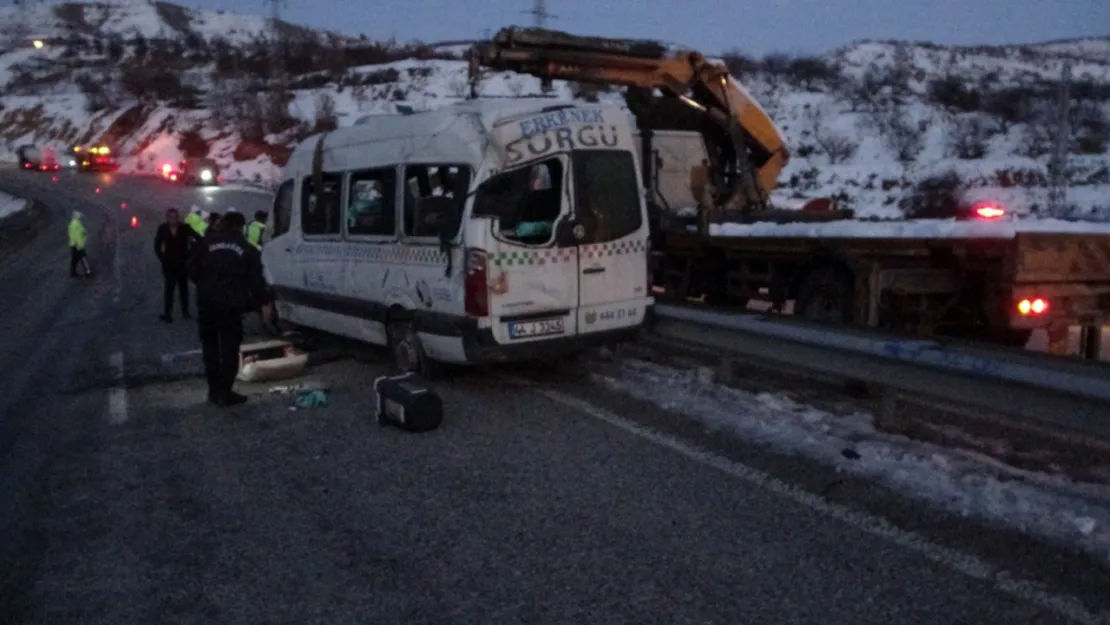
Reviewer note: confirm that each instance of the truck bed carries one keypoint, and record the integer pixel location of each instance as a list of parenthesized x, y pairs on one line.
[(1045, 257), (908, 229), (1040, 251)]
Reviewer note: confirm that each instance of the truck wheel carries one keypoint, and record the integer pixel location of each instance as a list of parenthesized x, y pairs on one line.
[(407, 353), (826, 295)]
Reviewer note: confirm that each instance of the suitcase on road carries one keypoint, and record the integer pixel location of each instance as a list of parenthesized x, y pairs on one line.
[(404, 401)]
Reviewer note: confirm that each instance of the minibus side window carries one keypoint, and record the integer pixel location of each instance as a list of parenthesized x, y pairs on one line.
[(372, 203), (320, 214), (606, 194), (423, 181), (283, 208)]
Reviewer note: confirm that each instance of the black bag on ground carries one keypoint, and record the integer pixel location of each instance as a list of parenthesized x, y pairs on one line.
[(404, 401)]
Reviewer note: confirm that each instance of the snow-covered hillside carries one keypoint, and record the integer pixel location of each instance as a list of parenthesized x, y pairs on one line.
[(57, 21), (866, 122)]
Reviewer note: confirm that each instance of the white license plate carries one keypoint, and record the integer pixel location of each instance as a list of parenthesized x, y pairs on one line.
[(542, 327)]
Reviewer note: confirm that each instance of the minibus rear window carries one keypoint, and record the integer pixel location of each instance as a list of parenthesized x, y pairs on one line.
[(606, 194)]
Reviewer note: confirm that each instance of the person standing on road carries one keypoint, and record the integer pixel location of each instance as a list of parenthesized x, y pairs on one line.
[(172, 244), (228, 275), (78, 238), (256, 229), (213, 221)]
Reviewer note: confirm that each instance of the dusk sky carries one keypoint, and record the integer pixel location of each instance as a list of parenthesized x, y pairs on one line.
[(754, 26)]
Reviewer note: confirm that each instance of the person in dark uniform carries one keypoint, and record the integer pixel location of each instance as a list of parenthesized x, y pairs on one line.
[(172, 244), (228, 273), (213, 221)]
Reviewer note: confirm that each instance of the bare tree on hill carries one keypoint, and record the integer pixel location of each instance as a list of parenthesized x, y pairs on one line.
[(834, 145)]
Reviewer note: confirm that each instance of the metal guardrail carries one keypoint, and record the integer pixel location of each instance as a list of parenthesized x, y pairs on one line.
[(1047, 390)]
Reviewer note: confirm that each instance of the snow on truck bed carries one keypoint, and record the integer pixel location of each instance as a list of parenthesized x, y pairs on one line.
[(910, 229)]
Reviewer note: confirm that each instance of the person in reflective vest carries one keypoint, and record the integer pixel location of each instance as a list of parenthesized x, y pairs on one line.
[(78, 238), (196, 221), (256, 228)]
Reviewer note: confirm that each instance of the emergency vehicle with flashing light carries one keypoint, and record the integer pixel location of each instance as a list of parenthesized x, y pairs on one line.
[(192, 171), (96, 158)]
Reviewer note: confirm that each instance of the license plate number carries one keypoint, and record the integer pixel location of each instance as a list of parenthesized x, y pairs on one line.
[(542, 327)]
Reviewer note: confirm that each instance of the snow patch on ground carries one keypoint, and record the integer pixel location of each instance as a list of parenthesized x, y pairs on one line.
[(963, 482), (10, 205)]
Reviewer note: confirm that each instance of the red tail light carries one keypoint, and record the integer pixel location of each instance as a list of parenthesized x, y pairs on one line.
[(477, 285), (989, 211), (1036, 306), (134, 222)]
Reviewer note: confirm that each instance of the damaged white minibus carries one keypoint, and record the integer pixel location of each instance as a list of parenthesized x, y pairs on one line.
[(481, 232)]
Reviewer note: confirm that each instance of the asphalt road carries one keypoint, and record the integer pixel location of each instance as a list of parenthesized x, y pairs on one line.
[(124, 498)]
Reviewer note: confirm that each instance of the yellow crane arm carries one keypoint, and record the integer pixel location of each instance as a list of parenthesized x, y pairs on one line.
[(746, 150)]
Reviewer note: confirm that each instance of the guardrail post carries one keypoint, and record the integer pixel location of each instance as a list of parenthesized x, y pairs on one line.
[(1090, 342), (890, 417)]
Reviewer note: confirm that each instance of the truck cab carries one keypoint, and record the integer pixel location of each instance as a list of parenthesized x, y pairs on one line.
[(34, 158)]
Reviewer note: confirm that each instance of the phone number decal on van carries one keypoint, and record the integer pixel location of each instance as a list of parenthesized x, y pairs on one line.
[(612, 314), (541, 327)]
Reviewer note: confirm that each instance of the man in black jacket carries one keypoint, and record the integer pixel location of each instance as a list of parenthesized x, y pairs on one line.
[(172, 244), (228, 273)]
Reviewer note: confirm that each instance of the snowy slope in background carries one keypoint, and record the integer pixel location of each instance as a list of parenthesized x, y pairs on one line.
[(128, 19), (49, 107)]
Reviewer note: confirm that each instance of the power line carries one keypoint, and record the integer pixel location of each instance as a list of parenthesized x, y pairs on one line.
[(540, 16), (277, 52), (539, 13), (1058, 165)]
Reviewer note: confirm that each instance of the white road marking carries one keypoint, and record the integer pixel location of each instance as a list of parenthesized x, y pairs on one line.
[(168, 357), (117, 397), (960, 562), (116, 269)]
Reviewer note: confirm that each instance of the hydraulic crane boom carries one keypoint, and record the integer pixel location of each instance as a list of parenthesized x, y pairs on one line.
[(747, 153)]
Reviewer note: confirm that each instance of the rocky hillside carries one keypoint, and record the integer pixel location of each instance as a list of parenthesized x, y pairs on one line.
[(867, 122)]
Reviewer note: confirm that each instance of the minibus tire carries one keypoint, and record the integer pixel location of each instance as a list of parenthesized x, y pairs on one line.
[(407, 353)]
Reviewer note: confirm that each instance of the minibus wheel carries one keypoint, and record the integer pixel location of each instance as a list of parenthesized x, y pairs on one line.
[(407, 353)]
